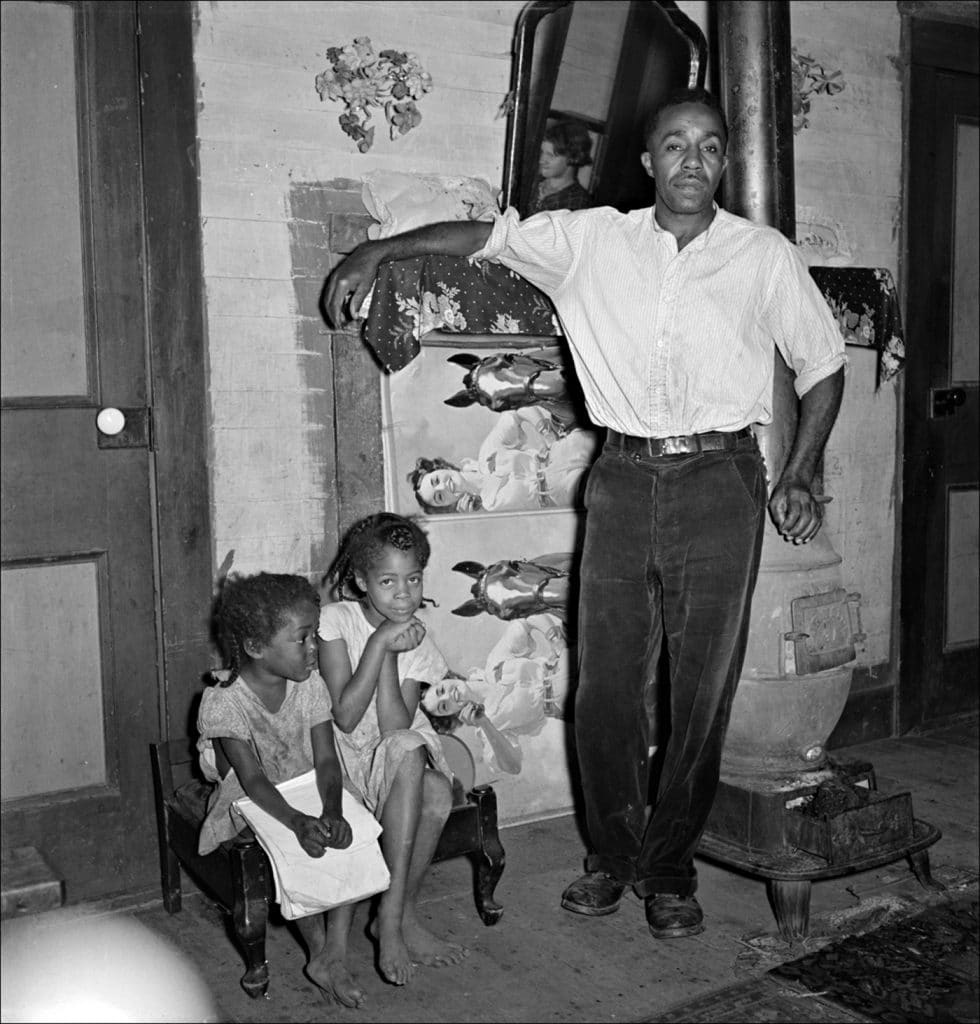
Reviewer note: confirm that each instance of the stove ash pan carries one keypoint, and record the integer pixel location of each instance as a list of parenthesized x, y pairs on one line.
[(844, 824)]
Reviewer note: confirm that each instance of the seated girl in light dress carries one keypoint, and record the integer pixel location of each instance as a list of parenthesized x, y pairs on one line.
[(267, 720), (374, 655)]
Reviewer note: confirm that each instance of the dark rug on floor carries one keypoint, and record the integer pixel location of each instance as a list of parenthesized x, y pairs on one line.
[(922, 968), (758, 1001)]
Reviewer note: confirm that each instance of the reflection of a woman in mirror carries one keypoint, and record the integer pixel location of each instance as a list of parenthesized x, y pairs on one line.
[(524, 682), (529, 460), (567, 146)]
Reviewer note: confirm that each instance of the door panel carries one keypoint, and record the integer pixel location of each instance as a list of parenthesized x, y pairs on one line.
[(36, 759), (940, 605), (45, 340), (80, 647), (962, 570), (965, 353), (962, 623)]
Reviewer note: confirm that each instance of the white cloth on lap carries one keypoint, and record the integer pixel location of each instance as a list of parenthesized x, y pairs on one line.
[(307, 885)]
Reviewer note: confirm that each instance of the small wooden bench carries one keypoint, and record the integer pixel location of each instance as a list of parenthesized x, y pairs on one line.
[(238, 875)]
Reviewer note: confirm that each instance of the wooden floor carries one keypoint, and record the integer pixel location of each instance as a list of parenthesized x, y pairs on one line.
[(541, 963)]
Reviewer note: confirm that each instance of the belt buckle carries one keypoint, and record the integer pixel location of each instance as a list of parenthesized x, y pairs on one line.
[(682, 445)]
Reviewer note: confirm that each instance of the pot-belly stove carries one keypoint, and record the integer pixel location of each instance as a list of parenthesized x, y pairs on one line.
[(785, 811)]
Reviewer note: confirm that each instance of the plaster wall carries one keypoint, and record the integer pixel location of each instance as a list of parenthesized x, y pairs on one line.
[(849, 173), (264, 133)]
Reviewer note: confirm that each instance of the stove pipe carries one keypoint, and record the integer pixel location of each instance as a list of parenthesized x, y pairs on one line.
[(799, 661), (756, 92)]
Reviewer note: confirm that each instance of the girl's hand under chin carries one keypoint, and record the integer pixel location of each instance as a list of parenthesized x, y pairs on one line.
[(401, 636)]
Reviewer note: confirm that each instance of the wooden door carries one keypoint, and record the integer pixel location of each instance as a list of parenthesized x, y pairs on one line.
[(81, 700), (940, 612)]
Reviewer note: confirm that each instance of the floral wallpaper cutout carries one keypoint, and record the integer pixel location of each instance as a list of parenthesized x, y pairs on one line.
[(363, 79), (810, 78)]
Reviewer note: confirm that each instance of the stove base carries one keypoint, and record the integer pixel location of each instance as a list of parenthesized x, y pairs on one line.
[(767, 827)]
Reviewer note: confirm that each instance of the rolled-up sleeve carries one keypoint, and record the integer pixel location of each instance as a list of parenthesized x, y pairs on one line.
[(542, 249), (804, 327)]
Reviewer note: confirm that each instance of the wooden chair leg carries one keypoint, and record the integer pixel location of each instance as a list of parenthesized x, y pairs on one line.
[(170, 880), (169, 863), (250, 915), (791, 905), (919, 862), (490, 859)]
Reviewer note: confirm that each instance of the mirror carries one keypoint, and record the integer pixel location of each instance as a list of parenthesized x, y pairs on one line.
[(605, 64)]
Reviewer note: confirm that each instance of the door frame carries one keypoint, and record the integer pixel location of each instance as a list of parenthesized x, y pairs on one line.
[(936, 36), (137, 108), (177, 343)]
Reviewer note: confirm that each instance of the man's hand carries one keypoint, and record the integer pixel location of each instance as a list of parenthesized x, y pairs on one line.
[(349, 283), (796, 511)]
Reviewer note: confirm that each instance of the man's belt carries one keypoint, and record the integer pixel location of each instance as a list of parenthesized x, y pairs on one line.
[(682, 444)]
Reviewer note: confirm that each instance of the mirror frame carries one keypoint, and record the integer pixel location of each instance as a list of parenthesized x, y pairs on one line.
[(525, 35)]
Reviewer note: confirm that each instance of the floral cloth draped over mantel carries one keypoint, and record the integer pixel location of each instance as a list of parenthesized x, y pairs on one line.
[(448, 293), (414, 297), (865, 302)]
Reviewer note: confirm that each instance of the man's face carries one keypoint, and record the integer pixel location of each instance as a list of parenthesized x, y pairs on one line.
[(686, 157)]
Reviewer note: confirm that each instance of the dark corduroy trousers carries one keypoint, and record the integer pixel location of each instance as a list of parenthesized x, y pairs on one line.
[(671, 555)]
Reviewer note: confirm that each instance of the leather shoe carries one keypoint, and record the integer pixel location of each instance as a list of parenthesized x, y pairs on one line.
[(594, 894), (672, 917)]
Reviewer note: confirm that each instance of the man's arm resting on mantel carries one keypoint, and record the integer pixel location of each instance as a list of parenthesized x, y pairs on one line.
[(350, 281)]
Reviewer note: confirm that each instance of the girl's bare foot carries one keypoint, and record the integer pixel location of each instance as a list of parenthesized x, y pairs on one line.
[(394, 959), (336, 981), (426, 948)]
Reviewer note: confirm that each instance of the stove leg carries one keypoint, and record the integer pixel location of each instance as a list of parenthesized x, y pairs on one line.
[(791, 904), (920, 868)]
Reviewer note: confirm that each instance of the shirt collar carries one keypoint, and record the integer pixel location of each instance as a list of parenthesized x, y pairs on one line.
[(702, 240)]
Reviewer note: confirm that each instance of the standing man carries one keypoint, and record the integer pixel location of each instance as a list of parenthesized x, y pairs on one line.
[(672, 315)]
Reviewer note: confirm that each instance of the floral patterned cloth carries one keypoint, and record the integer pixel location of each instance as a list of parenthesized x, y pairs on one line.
[(449, 293), (865, 302)]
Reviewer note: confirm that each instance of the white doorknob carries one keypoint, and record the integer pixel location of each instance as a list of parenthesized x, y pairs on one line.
[(110, 421)]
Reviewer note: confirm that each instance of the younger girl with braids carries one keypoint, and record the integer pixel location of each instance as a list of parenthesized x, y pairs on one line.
[(266, 720), (374, 655)]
